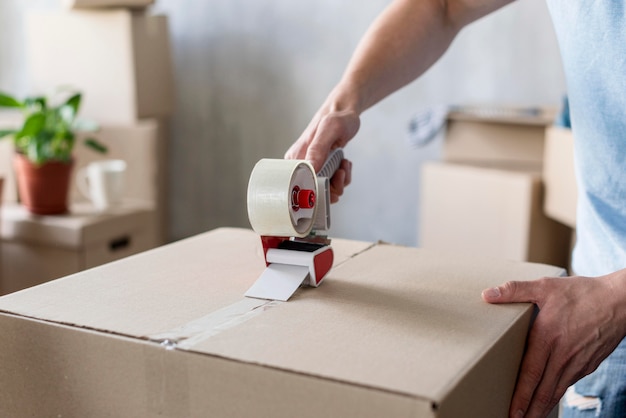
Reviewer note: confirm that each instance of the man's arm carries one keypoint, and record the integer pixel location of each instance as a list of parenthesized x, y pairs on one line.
[(401, 44)]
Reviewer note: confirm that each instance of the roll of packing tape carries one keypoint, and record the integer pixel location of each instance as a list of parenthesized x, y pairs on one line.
[(281, 197)]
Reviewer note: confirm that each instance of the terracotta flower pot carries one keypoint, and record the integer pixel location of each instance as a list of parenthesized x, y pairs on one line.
[(44, 188)]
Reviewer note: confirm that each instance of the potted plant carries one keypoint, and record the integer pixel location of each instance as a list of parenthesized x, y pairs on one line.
[(43, 160)]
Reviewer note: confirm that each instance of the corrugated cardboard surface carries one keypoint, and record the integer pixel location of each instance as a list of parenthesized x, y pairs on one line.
[(393, 331), (559, 176), (494, 210), (495, 138)]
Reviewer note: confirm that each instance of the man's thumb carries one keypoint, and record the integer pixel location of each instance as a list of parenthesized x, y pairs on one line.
[(510, 292)]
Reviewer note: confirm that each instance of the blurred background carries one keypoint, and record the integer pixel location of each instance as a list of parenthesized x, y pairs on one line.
[(249, 75)]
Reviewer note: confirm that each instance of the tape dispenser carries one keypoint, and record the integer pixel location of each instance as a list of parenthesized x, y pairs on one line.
[(289, 207)]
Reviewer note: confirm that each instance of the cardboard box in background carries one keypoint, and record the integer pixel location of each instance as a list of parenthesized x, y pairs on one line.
[(559, 176), (87, 4), (494, 211), (392, 331), (143, 146), (37, 249), (119, 59), (482, 136)]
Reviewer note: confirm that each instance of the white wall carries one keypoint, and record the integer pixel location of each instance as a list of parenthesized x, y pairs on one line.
[(250, 74)]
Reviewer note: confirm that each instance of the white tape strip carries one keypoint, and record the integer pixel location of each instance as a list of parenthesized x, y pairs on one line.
[(191, 333)]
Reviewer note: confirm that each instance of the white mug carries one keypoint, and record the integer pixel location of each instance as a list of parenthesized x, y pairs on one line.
[(102, 182)]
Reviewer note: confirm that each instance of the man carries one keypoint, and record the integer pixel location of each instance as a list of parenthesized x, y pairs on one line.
[(582, 319)]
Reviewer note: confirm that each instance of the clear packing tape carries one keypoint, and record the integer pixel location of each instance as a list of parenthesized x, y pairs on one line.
[(270, 197)]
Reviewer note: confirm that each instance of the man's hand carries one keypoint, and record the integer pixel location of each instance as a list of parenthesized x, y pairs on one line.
[(328, 130), (580, 322)]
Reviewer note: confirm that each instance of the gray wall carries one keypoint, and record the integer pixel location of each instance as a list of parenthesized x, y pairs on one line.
[(250, 74)]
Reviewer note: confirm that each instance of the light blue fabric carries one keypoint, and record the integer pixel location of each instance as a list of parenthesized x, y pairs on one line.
[(592, 37)]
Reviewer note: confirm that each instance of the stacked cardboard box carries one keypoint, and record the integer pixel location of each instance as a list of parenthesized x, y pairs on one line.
[(487, 196), (559, 176), (496, 135), (120, 59), (493, 210)]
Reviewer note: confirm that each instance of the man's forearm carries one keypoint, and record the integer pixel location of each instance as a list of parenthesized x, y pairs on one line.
[(406, 39)]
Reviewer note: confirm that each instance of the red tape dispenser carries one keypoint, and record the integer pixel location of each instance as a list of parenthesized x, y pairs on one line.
[(289, 206)]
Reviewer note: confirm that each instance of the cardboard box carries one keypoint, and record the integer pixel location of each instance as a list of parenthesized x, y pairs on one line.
[(37, 249), (392, 331), (494, 211), (120, 60), (88, 4), (559, 176), (483, 136), (143, 146)]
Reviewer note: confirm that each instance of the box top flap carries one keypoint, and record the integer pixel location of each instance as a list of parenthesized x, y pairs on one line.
[(531, 116), (398, 319)]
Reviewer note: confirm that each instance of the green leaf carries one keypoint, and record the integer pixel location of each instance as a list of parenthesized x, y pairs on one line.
[(96, 146), (7, 132), (74, 102), (33, 125), (39, 101), (8, 101)]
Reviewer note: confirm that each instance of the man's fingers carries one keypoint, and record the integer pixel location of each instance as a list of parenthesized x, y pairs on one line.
[(319, 149), (333, 131), (531, 374), (346, 165), (337, 185), (341, 179), (298, 149)]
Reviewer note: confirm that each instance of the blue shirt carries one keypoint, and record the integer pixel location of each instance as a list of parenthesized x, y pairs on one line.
[(592, 38)]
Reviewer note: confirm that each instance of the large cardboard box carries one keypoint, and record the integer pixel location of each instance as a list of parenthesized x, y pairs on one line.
[(37, 249), (559, 176), (493, 210), (119, 59), (88, 4), (392, 331), (499, 135)]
